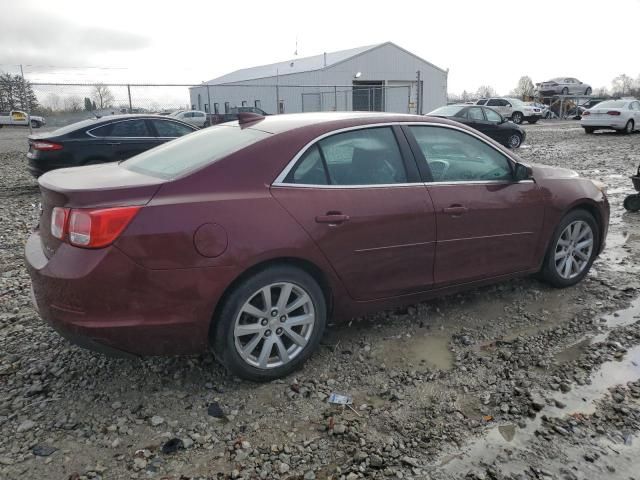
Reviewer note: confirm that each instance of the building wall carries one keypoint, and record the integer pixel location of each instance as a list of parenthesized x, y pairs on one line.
[(388, 63)]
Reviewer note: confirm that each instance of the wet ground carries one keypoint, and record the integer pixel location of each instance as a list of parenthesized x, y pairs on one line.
[(516, 380)]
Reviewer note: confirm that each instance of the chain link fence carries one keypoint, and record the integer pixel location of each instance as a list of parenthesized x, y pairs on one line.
[(65, 103)]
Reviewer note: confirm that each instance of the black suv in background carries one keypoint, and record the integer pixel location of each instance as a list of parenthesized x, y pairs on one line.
[(106, 139)]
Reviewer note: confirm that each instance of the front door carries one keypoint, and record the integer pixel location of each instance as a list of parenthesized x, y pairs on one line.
[(364, 205), (488, 225)]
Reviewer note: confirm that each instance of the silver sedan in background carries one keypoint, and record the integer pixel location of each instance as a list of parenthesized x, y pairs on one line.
[(564, 86)]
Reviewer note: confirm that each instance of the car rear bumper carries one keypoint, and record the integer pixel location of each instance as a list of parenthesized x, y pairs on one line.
[(102, 300), (608, 121)]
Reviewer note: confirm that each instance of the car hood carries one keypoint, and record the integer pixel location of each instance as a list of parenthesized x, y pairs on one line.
[(546, 171)]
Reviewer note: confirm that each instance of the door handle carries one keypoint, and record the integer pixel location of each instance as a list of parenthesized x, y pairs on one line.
[(455, 210), (113, 143), (332, 218)]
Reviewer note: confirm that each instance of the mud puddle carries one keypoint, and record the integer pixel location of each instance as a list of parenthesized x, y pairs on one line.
[(428, 350), (510, 445), (616, 256)]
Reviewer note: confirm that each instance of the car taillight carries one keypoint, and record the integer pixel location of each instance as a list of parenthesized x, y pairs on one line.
[(586, 113), (613, 112), (59, 218), (97, 228), (46, 146)]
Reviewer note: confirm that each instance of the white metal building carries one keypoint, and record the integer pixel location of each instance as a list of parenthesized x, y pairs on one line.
[(381, 77)]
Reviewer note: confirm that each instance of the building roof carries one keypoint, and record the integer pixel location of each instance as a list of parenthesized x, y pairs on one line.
[(299, 65)]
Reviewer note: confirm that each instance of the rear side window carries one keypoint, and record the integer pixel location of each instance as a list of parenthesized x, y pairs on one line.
[(481, 102), (190, 152), (126, 129), (475, 114), (167, 128), (361, 157)]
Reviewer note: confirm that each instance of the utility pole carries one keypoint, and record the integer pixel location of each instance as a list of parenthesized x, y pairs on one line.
[(24, 96), (129, 93), (277, 91), (418, 94)]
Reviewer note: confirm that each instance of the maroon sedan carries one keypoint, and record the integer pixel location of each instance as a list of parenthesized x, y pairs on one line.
[(248, 236)]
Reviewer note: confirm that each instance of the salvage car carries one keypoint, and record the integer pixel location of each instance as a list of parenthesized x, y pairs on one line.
[(485, 120), (512, 108), (107, 139), (620, 115), (563, 86), (249, 236)]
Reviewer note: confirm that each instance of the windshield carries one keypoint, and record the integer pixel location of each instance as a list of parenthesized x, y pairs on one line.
[(192, 151), (448, 111), (612, 104)]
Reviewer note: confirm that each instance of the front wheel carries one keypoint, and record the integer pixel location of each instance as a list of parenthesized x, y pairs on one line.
[(35, 124), (565, 91), (514, 140), (572, 249), (270, 324), (516, 118), (589, 129), (588, 91), (632, 203)]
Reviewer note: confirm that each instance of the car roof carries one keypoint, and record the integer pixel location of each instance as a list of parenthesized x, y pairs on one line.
[(329, 120)]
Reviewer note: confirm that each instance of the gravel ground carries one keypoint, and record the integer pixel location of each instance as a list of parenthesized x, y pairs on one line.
[(514, 381)]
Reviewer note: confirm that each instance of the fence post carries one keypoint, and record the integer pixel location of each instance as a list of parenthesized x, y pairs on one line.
[(419, 94), (209, 98), (24, 96), (129, 94), (335, 98)]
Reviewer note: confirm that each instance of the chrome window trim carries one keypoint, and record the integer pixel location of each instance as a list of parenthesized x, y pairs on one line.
[(279, 181), (337, 187), (88, 132)]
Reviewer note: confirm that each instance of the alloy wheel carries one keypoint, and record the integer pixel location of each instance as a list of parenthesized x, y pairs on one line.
[(514, 140), (274, 325), (573, 249), (517, 118)]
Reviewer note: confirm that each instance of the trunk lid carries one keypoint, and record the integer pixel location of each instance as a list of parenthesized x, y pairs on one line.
[(95, 186)]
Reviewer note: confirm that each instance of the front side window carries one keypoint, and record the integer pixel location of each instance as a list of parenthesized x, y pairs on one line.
[(455, 156), (169, 129), (481, 102), (492, 116), (360, 157)]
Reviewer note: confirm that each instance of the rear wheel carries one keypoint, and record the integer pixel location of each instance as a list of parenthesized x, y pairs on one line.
[(514, 140), (628, 128), (572, 250), (35, 124), (270, 324), (632, 203), (589, 129), (516, 117)]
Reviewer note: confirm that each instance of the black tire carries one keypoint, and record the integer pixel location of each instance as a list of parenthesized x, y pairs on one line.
[(589, 129), (628, 128), (35, 124), (222, 335), (565, 91), (532, 122), (517, 117), (514, 140), (549, 271), (632, 203), (588, 91)]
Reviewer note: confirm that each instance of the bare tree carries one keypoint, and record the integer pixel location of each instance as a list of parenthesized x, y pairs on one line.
[(102, 96), (73, 103), (486, 91), (622, 84), (602, 92), (524, 89), (53, 101), (466, 96)]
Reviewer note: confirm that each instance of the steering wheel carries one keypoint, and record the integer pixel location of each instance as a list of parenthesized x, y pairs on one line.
[(438, 168)]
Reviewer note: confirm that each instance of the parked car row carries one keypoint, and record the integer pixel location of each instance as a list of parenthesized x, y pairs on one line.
[(248, 237), (512, 108), (620, 115)]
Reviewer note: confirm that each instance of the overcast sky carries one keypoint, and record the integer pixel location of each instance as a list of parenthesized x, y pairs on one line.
[(490, 42)]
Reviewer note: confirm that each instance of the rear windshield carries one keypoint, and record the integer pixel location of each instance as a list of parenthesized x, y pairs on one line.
[(612, 104), (72, 127), (185, 154), (448, 111)]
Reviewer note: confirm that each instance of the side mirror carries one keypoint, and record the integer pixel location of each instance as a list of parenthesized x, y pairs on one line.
[(522, 172)]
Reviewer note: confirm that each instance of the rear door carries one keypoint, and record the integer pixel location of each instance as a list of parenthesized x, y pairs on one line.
[(494, 131), (499, 106), (477, 120), (359, 196), (131, 137), (488, 224)]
